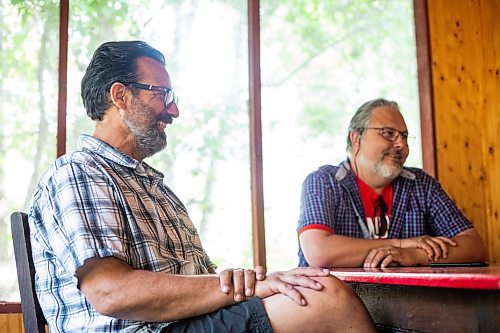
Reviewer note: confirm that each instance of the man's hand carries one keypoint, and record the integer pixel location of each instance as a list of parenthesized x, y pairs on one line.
[(386, 256), (435, 247), (286, 283), (241, 281)]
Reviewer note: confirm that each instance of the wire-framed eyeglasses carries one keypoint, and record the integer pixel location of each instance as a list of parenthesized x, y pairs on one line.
[(391, 134), (169, 95)]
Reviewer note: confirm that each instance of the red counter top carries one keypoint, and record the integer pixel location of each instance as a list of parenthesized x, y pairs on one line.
[(485, 278)]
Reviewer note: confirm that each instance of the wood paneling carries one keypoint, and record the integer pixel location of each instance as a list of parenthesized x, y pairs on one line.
[(465, 51), (11, 322)]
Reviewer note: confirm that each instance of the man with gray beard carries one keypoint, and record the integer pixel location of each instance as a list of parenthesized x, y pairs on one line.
[(371, 211)]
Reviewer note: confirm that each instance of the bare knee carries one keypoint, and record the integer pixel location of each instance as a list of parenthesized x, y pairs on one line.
[(337, 305), (343, 307), (337, 292)]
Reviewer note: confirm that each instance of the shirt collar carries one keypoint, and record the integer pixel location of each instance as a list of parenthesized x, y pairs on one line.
[(109, 152)]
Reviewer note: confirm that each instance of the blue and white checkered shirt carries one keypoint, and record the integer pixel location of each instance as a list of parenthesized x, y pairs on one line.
[(331, 201), (98, 202)]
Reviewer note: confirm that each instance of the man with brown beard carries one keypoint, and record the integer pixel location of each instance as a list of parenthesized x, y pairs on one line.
[(114, 248), (371, 211)]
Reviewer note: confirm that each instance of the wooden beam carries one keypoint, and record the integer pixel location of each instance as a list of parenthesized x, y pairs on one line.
[(425, 88), (257, 193), (63, 75)]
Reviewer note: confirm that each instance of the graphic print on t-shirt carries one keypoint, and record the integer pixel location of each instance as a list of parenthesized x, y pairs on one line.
[(374, 226), (377, 208)]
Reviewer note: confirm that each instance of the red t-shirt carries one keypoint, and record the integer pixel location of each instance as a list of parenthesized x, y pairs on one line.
[(374, 209)]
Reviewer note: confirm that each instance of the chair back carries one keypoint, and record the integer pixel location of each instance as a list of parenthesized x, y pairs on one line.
[(33, 319)]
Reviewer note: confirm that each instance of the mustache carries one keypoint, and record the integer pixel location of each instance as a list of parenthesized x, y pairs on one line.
[(166, 118), (394, 152)]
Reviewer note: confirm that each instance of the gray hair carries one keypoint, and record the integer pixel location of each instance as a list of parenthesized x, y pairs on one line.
[(362, 116)]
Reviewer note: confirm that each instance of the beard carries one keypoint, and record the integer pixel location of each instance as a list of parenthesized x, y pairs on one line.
[(143, 123), (389, 169)]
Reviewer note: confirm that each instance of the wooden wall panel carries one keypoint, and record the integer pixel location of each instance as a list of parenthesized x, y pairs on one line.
[(465, 51), (11, 323), (490, 12)]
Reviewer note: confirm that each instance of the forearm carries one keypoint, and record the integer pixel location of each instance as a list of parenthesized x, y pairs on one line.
[(467, 249), (116, 290), (470, 247), (326, 250), (174, 297)]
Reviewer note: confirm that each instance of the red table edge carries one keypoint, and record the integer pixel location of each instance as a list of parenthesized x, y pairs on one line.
[(444, 280)]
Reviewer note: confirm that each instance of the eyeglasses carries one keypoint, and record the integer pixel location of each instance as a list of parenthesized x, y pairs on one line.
[(391, 134), (381, 207), (169, 97)]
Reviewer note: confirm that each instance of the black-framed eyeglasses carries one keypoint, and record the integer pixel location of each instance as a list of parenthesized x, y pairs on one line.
[(391, 134), (169, 95), (381, 209)]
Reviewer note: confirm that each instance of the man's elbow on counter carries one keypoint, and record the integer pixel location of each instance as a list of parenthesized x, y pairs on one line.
[(318, 258), (477, 248)]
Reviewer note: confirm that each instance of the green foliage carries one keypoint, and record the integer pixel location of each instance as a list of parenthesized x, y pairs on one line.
[(322, 119), (309, 40), (29, 41), (331, 45)]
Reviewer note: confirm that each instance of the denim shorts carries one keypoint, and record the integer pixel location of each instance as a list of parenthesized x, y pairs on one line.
[(248, 316)]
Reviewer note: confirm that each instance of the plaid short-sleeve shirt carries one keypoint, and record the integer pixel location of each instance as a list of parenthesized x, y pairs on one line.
[(331, 201), (98, 202)]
